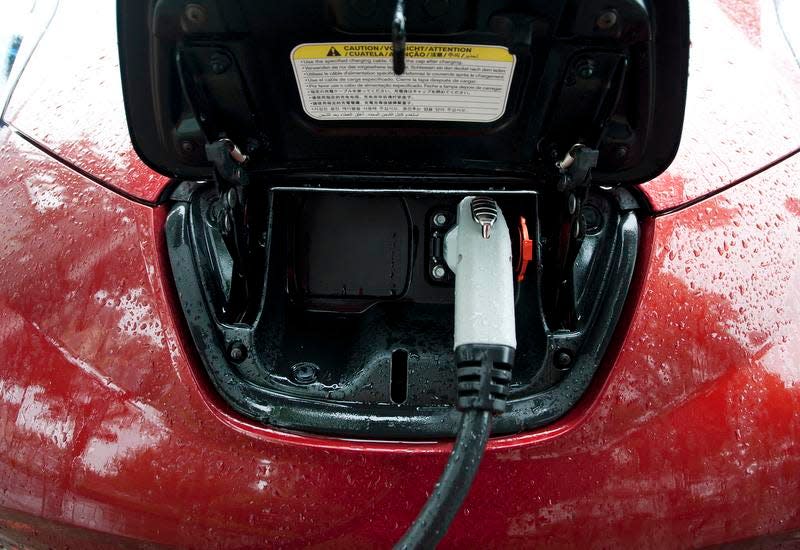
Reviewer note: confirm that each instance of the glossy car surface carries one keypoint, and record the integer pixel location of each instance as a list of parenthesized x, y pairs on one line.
[(110, 434)]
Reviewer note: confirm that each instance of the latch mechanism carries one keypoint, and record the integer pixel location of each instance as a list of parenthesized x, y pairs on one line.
[(573, 184), (231, 179)]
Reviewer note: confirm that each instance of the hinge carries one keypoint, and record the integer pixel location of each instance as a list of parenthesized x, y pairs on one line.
[(575, 175), (231, 180)]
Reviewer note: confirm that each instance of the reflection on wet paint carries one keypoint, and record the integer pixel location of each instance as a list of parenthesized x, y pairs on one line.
[(743, 101), (70, 98), (124, 434)]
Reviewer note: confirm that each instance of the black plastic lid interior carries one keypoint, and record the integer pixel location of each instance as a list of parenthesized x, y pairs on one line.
[(607, 73)]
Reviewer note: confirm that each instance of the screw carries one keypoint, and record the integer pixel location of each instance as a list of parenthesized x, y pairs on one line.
[(438, 272), (585, 68), (305, 373), (579, 231), (606, 20), (439, 219), (237, 352), (231, 199), (195, 13), (572, 204), (220, 62), (563, 359), (187, 147), (620, 152), (592, 218)]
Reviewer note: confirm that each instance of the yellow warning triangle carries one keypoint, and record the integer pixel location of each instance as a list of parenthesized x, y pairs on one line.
[(333, 52)]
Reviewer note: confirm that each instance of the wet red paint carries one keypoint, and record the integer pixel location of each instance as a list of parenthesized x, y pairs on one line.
[(689, 436), (69, 99), (743, 102), (745, 14), (793, 206)]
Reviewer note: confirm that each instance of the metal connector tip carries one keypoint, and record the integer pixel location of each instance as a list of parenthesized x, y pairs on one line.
[(484, 212)]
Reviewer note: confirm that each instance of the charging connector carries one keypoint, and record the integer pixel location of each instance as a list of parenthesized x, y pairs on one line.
[(478, 251)]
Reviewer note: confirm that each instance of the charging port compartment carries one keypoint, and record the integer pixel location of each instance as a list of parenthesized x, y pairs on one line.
[(347, 325)]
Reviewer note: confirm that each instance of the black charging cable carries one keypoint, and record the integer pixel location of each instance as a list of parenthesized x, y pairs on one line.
[(484, 373)]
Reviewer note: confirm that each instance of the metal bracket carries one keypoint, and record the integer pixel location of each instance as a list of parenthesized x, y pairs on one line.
[(576, 166), (227, 160)]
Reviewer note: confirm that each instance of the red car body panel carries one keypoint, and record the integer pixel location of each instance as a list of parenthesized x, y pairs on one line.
[(689, 436), (743, 102), (111, 434), (69, 100)]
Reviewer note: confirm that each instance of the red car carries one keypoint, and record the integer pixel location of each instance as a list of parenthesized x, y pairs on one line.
[(255, 273)]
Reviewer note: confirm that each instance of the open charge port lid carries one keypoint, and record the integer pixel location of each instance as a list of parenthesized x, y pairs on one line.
[(307, 87)]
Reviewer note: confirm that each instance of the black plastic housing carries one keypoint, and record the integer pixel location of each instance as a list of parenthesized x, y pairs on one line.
[(383, 365)]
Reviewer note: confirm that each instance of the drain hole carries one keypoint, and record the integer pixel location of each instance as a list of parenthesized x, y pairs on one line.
[(398, 386)]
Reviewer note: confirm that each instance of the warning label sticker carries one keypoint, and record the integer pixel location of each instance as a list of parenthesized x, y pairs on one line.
[(447, 82)]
